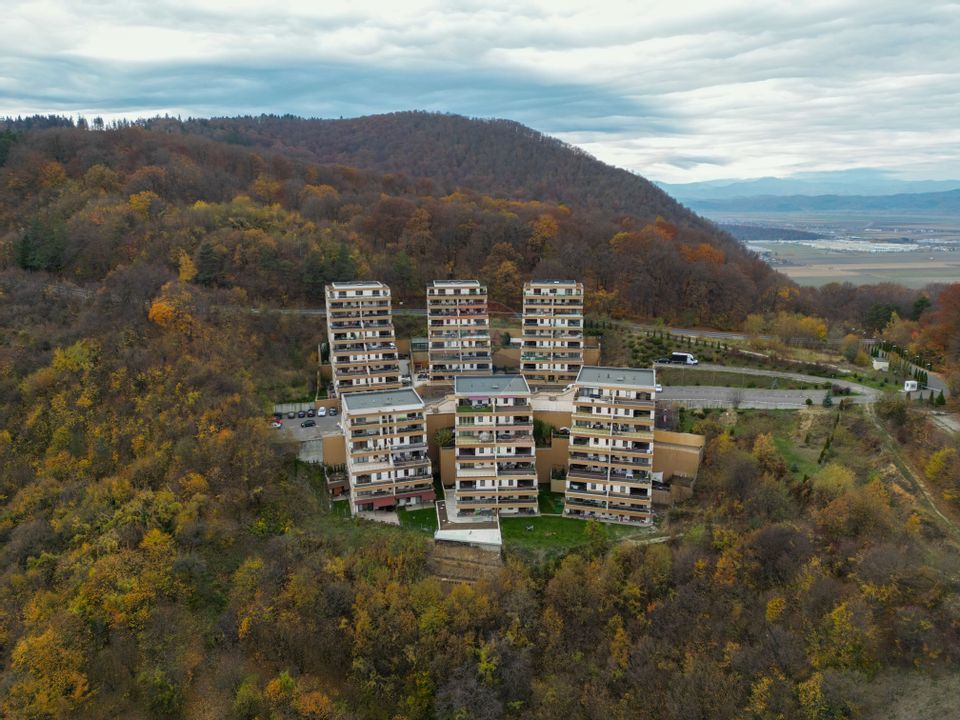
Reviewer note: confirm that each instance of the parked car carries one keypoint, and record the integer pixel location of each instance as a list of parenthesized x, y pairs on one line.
[(658, 388), (664, 360), (333, 411), (322, 412), (276, 424), (291, 414), (308, 423), (311, 412), (302, 414)]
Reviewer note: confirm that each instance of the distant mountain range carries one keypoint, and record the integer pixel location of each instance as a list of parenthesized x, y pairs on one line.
[(932, 203), (847, 182)]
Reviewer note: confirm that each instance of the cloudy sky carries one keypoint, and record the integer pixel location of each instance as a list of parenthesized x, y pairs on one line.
[(676, 90)]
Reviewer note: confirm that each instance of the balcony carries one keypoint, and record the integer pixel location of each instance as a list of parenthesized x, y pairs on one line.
[(481, 439), (516, 471), (584, 503), (639, 496), (584, 473), (581, 488), (476, 501), (474, 408)]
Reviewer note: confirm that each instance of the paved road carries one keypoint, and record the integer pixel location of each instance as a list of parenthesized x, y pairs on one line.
[(798, 377), (692, 332), (696, 396), (950, 423)]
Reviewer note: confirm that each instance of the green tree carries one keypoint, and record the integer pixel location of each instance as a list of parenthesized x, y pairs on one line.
[(208, 264)]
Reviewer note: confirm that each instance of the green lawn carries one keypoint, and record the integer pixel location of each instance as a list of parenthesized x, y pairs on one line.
[(556, 535), (676, 376), (423, 519), (340, 508), (550, 502)]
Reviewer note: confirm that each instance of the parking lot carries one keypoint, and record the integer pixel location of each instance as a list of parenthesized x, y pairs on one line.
[(291, 430)]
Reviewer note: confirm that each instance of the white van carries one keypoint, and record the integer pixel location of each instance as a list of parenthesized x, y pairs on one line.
[(680, 358)]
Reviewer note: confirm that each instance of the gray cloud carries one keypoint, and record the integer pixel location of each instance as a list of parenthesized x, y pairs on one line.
[(674, 91)]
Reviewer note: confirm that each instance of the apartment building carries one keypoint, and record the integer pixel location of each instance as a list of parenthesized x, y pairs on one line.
[(611, 445), (552, 335), (363, 346), (495, 448), (458, 326), (386, 448)]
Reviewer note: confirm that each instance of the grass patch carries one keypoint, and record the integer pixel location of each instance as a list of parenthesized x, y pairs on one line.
[(340, 508), (804, 460), (676, 376), (422, 519), (551, 536), (550, 502)]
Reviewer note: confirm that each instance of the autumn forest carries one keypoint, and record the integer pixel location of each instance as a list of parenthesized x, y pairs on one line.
[(162, 557)]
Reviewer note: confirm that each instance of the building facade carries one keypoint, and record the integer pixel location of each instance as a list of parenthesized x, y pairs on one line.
[(362, 342), (386, 449), (495, 447), (552, 334), (609, 472), (458, 325)]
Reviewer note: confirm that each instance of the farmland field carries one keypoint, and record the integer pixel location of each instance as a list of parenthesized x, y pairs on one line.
[(911, 251)]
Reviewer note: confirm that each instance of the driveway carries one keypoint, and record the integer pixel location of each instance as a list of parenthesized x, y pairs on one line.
[(696, 396), (862, 390)]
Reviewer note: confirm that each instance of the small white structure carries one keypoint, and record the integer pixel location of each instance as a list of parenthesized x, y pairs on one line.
[(879, 364), (911, 386)]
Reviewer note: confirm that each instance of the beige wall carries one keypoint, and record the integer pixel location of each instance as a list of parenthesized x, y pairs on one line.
[(506, 357), (334, 450), (420, 360), (551, 457), (510, 357), (591, 350), (436, 421), (448, 466), (677, 453), (553, 417)]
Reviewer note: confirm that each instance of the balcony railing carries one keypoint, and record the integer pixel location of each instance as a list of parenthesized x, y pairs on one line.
[(470, 408)]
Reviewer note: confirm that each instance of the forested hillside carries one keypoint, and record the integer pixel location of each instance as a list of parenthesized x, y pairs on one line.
[(496, 157), (81, 202), (160, 557)]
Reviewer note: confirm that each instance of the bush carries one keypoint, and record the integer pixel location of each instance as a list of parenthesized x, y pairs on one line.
[(892, 407)]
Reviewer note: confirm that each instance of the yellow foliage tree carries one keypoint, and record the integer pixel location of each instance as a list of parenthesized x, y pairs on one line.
[(187, 268), (51, 683), (142, 202), (52, 174)]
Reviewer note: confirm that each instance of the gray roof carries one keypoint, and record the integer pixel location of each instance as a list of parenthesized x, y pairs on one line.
[(381, 400), (457, 283), (551, 282), (617, 377), (355, 284), (490, 385)]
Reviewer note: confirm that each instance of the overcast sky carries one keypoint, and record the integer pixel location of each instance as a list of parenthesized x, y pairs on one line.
[(675, 90)]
